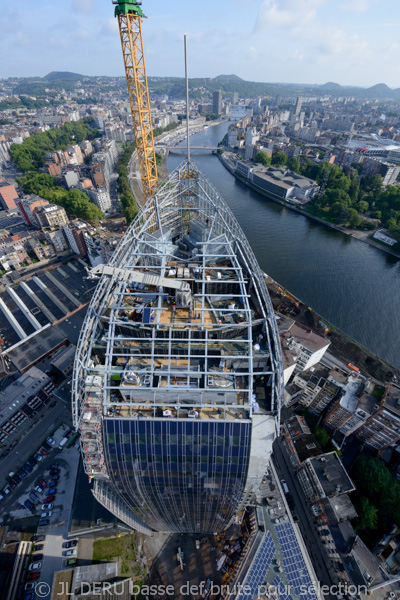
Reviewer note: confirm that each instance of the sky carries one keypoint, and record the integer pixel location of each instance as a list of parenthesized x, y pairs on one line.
[(350, 42)]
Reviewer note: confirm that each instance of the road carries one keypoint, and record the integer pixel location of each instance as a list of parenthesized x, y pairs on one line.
[(56, 532), (306, 523), (31, 437)]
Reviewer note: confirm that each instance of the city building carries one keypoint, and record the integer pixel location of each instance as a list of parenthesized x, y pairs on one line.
[(306, 346), (283, 183), (299, 104), (63, 361), (50, 215), (27, 208), (20, 399), (178, 378), (74, 233), (57, 238), (100, 197), (217, 103), (8, 196)]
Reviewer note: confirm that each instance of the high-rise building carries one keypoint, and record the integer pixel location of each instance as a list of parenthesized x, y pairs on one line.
[(27, 208), (51, 216), (8, 196), (178, 373), (299, 103), (74, 233), (217, 103)]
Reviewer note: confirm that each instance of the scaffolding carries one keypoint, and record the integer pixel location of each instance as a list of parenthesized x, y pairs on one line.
[(180, 326)]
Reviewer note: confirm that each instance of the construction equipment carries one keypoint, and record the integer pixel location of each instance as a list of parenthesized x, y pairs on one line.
[(130, 16)]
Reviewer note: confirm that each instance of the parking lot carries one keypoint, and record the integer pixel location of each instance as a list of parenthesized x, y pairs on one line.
[(41, 504)]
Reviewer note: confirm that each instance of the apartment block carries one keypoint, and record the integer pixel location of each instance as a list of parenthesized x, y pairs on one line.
[(8, 196)]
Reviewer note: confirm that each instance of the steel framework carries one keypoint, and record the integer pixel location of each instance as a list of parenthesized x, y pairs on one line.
[(130, 28), (211, 355)]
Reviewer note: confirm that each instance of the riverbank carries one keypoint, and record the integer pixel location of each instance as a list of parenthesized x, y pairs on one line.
[(342, 347), (357, 235)]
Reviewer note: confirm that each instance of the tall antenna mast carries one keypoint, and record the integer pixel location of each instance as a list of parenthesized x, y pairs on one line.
[(187, 100)]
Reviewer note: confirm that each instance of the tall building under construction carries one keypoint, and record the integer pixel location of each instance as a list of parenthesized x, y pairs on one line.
[(178, 375)]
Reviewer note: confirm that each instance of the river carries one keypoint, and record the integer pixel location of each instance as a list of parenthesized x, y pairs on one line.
[(354, 286)]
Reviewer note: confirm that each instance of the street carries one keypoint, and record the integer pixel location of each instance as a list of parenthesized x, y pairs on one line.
[(311, 538), (30, 438)]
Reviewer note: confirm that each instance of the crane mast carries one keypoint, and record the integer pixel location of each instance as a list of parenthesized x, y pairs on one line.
[(130, 16)]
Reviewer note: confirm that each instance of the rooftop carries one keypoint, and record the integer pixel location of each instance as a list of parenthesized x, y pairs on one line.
[(331, 474)]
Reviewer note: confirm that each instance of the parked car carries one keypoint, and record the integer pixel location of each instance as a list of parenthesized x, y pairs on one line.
[(53, 466), (29, 586), (46, 446), (38, 538), (43, 483), (50, 498), (70, 552), (22, 473), (32, 461), (33, 497), (43, 452), (12, 484), (29, 504), (53, 404), (51, 491), (53, 479), (36, 557), (70, 562), (35, 566), (37, 457), (29, 596), (38, 489), (17, 478), (70, 544), (35, 575), (38, 547), (28, 468), (43, 522), (6, 490), (46, 513), (47, 506), (51, 441)]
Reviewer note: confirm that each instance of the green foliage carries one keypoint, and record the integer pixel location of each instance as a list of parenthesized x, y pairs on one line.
[(294, 164), (75, 202), (126, 197), (323, 436), (29, 156), (158, 159), (263, 158), (367, 514), (212, 117), (279, 159), (374, 480)]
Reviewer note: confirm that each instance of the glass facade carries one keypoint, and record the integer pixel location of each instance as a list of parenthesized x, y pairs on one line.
[(178, 475)]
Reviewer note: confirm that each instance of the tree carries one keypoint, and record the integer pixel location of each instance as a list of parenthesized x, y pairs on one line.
[(294, 164), (263, 158), (377, 214), (354, 218), (279, 159), (363, 206), (322, 435), (367, 515)]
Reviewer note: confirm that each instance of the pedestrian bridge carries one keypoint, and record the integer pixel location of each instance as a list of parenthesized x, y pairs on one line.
[(184, 148)]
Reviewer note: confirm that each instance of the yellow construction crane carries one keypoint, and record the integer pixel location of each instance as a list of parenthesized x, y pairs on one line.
[(130, 16)]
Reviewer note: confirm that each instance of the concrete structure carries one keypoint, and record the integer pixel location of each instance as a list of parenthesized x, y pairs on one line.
[(21, 398), (306, 346), (8, 196), (179, 358), (27, 208), (63, 360), (217, 103), (51, 216), (282, 183), (100, 197), (74, 233)]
